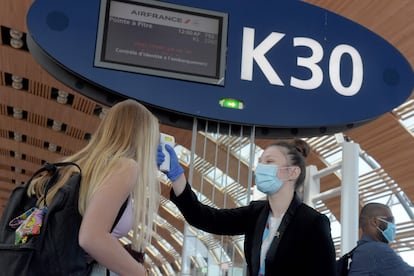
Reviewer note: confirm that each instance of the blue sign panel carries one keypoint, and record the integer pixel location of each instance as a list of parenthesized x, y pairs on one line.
[(271, 64)]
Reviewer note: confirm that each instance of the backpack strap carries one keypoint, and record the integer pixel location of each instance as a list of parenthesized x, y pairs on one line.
[(350, 253), (52, 168)]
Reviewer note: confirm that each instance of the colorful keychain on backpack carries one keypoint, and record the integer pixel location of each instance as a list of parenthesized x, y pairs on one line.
[(28, 224)]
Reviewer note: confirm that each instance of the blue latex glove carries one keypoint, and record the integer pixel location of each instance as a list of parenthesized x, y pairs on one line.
[(160, 156), (175, 168)]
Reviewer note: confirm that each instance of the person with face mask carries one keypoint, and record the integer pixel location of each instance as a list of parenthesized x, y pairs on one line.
[(373, 255), (283, 236)]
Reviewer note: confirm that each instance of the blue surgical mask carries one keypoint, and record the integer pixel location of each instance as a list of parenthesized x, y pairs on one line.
[(266, 180), (389, 232)]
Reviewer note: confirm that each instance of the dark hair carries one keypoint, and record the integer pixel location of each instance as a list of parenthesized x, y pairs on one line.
[(371, 210), (296, 150)]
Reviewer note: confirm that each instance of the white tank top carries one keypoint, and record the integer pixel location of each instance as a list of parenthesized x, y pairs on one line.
[(124, 224)]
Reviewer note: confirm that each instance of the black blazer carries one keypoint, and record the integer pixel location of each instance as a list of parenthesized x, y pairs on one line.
[(304, 245)]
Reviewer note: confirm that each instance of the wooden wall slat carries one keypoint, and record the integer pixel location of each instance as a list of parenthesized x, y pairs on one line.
[(40, 89)]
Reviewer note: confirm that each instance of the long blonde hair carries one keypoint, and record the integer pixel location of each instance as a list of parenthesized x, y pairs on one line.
[(128, 130)]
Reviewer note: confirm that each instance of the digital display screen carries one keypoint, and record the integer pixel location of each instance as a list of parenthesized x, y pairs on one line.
[(162, 39)]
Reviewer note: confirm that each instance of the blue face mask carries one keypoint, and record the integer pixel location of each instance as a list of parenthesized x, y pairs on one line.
[(266, 180), (389, 232)]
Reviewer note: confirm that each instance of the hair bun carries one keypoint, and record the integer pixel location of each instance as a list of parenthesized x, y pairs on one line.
[(302, 147)]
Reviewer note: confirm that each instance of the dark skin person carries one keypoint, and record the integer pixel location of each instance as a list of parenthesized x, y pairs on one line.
[(374, 216)]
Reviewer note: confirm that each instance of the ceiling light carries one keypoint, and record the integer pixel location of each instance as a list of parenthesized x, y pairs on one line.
[(57, 126), (103, 112), (16, 39), (62, 97), (17, 155), (17, 137), (15, 34), (17, 82), (16, 43), (17, 113), (52, 147)]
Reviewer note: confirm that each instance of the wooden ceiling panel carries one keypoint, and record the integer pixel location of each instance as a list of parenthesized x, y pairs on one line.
[(392, 20), (392, 146)]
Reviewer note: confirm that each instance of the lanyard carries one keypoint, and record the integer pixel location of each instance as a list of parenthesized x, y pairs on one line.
[(265, 234)]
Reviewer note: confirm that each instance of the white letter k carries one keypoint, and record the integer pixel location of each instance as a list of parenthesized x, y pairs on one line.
[(249, 53)]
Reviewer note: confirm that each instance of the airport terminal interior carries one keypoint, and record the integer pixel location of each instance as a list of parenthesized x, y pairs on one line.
[(42, 119)]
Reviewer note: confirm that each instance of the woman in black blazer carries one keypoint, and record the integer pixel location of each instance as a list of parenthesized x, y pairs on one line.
[(283, 236)]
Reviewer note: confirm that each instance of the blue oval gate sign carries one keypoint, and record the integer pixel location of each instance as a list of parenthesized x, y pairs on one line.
[(271, 64)]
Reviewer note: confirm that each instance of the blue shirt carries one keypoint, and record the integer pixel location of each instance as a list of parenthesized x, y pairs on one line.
[(377, 258)]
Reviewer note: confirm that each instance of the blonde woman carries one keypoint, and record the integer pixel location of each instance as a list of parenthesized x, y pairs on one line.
[(118, 165)]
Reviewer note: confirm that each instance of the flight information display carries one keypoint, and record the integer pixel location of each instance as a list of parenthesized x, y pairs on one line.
[(162, 39)]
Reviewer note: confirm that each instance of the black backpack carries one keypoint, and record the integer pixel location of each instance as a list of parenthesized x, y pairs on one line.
[(343, 263), (55, 250)]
